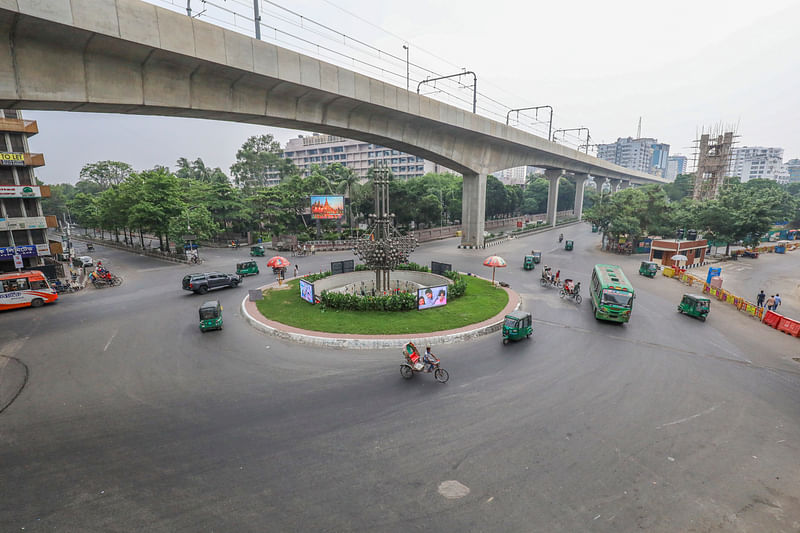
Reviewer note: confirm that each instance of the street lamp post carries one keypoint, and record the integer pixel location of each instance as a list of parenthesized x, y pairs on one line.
[(408, 71)]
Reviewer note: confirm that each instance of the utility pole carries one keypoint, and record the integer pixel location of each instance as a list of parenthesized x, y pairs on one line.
[(408, 76), (189, 7), (465, 73), (257, 19)]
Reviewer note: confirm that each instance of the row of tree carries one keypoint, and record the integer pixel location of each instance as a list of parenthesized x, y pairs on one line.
[(204, 201), (743, 212)]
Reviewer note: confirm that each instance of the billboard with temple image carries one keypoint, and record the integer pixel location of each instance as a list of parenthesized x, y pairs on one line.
[(327, 207)]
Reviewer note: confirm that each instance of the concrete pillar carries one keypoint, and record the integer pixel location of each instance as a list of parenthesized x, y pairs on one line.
[(552, 175), (473, 209), (624, 185), (580, 183), (614, 183)]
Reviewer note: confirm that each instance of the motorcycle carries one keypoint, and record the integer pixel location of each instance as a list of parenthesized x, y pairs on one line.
[(414, 364), (548, 279), (571, 290), (560, 238), (101, 282)]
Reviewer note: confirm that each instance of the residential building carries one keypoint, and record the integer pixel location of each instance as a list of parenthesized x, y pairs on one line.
[(23, 226), (758, 162), (676, 165), (322, 150), (644, 154), (517, 175), (793, 169)]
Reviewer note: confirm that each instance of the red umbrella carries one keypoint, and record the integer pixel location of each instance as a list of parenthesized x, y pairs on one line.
[(494, 261), (278, 262)]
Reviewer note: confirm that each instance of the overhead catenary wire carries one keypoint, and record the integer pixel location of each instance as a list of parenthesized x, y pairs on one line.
[(488, 105)]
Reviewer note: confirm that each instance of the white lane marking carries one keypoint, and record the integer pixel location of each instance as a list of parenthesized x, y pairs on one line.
[(682, 420), (111, 339), (453, 490)]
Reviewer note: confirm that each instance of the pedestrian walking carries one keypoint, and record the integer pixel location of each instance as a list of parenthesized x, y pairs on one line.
[(771, 303), (760, 299), (313, 249), (777, 302), (295, 270)]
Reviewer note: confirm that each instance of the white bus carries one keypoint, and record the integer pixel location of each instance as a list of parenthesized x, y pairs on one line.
[(25, 289)]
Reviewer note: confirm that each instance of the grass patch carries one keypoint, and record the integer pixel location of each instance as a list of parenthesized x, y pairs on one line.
[(481, 301)]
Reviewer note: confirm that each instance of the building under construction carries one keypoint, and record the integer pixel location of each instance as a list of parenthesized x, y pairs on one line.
[(713, 156)]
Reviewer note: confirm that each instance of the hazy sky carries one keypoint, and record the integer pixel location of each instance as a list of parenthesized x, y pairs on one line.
[(679, 65)]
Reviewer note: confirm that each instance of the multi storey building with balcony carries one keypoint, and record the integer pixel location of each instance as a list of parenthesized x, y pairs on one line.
[(23, 225), (323, 150), (645, 154), (758, 162)]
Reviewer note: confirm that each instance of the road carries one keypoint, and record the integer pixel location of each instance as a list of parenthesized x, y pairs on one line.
[(132, 420)]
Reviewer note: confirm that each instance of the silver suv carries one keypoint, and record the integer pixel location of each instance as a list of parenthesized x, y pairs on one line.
[(202, 283)]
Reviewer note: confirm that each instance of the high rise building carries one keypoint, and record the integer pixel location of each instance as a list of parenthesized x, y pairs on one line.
[(793, 170), (23, 226), (758, 162), (322, 150), (676, 164), (517, 175), (645, 154)]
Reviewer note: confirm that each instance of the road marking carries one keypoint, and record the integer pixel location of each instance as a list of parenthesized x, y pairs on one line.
[(682, 420), (453, 490), (111, 339)]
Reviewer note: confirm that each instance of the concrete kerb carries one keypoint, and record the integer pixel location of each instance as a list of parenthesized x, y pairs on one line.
[(376, 342)]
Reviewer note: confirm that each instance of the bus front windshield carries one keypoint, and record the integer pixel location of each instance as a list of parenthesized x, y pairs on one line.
[(620, 298)]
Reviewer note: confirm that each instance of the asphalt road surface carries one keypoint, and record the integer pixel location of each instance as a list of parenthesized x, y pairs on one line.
[(132, 420)]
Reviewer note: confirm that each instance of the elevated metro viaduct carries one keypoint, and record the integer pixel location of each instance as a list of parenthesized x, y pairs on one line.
[(131, 57)]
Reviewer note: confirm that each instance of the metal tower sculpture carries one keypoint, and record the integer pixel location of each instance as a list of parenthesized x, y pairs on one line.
[(383, 248)]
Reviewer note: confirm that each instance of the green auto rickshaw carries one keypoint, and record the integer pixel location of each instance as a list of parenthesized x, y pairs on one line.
[(247, 268), (594, 228), (210, 315), (528, 263), (537, 256), (517, 325), (568, 245), (696, 306), (648, 268), (257, 251)]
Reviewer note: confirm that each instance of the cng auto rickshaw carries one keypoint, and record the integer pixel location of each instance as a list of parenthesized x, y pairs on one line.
[(537, 256), (594, 228), (517, 325), (257, 251), (247, 268), (568, 245), (648, 268), (528, 263), (696, 306), (210, 315)]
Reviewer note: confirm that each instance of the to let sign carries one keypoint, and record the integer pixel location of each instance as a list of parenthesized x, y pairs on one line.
[(18, 261)]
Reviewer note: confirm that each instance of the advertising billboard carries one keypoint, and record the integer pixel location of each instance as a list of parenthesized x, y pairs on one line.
[(431, 297), (307, 291), (20, 191), (327, 207)]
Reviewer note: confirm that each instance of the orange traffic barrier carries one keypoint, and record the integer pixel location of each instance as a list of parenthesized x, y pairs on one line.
[(771, 318), (789, 326)]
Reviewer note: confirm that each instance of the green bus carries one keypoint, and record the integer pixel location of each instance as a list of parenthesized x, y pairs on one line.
[(612, 294)]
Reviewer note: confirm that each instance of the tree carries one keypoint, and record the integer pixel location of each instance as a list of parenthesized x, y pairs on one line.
[(260, 159), (198, 171), (159, 202), (106, 173)]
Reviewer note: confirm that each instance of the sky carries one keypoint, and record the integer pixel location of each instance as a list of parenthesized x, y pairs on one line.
[(681, 66)]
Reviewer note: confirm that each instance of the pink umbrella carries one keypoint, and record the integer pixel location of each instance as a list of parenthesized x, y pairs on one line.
[(494, 261)]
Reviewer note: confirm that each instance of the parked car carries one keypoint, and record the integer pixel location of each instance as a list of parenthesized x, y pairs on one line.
[(208, 281), (86, 261)]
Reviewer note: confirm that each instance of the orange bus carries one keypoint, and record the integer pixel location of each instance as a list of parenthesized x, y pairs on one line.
[(25, 289)]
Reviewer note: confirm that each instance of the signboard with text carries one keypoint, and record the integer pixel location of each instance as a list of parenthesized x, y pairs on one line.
[(27, 250), (18, 261), (12, 158), (20, 191)]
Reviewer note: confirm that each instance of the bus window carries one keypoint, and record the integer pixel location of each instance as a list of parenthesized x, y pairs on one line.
[(39, 284)]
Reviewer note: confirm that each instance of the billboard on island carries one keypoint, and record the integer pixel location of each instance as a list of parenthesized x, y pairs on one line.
[(307, 291), (431, 297), (327, 207)]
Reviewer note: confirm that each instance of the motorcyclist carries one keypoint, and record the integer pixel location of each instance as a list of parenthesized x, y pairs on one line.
[(560, 237), (546, 274), (429, 359)]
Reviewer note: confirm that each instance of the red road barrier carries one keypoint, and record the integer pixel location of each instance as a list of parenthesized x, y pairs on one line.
[(789, 326), (771, 318)]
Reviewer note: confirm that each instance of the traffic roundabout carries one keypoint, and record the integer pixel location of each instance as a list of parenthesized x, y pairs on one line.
[(400, 327)]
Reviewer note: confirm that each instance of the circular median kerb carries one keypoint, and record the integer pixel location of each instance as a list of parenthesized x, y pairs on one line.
[(356, 341)]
